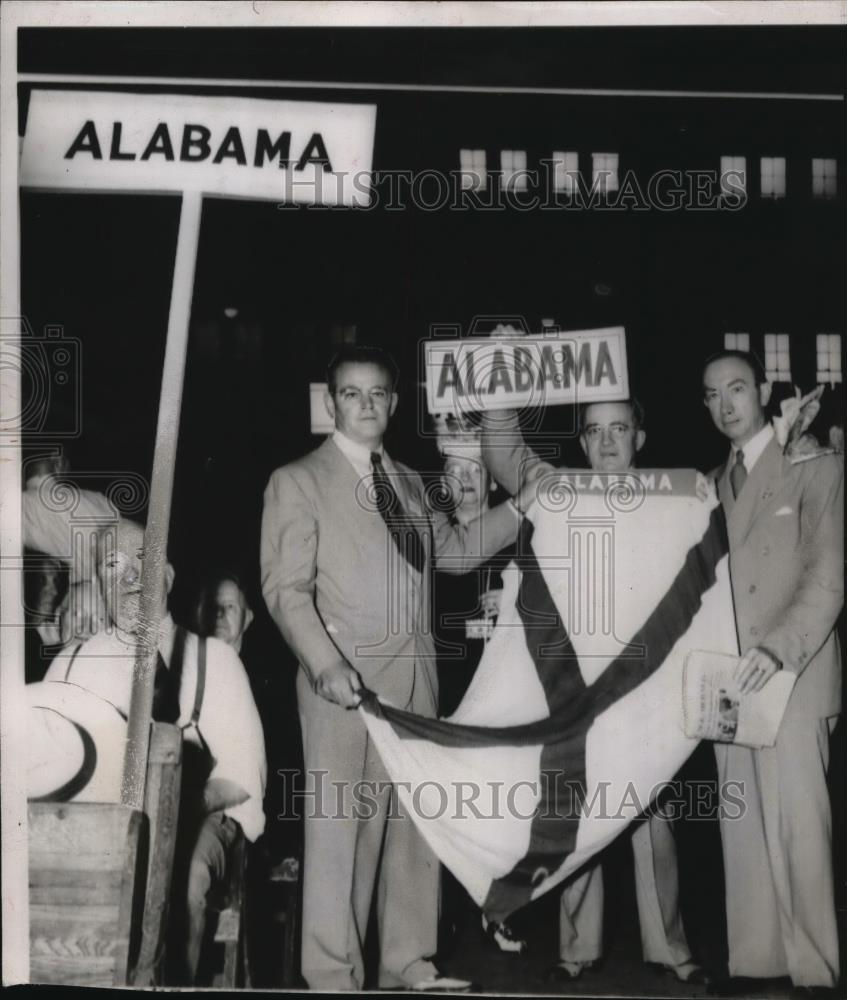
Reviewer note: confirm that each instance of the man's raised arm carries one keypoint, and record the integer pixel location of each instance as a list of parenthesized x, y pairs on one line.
[(506, 455)]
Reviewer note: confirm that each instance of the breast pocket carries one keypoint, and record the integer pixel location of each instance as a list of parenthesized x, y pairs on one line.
[(777, 536)]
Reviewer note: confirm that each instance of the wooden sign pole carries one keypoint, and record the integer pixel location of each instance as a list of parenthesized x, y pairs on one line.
[(158, 520)]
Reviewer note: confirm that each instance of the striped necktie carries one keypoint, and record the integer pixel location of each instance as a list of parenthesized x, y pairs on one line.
[(401, 526), (737, 474)]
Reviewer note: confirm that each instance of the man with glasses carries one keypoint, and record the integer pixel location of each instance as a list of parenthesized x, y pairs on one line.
[(611, 435), (347, 543)]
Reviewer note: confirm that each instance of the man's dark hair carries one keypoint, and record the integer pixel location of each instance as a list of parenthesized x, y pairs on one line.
[(635, 408), (361, 354), (224, 575), (748, 357)]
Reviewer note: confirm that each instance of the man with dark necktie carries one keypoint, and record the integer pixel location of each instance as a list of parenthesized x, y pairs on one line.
[(348, 543), (785, 522), (611, 436)]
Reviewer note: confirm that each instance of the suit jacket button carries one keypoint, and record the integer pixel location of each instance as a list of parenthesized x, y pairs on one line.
[(766, 551), (752, 589), (754, 631)]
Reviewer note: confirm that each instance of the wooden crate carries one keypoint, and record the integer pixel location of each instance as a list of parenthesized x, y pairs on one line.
[(84, 874)]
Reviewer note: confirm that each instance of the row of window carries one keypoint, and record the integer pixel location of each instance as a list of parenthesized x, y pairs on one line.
[(604, 173), (778, 355), (772, 175)]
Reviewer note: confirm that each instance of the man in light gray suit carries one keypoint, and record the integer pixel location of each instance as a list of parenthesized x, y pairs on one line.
[(786, 542), (347, 545)]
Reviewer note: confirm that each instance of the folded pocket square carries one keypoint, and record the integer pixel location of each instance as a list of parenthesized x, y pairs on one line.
[(783, 511)]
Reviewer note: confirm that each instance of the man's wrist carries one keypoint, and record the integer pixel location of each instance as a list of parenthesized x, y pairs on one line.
[(329, 668)]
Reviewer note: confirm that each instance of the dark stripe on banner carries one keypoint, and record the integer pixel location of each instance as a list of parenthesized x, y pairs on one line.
[(555, 824), (546, 637), (554, 830), (665, 626), (562, 735), (670, 619)]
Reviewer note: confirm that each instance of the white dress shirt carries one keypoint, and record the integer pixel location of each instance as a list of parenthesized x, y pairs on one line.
[(753, 449), (359, 455)]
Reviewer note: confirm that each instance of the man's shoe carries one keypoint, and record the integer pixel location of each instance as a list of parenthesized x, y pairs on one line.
[(502, 937), (567, 972), (442, 984), (686, 972)]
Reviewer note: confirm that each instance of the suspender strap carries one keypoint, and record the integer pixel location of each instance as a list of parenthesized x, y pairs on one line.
[(201, 682), (195, 712), (177, 659)]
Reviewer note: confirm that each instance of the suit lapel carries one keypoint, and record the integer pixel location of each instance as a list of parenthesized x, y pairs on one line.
[(345, 484), (761, 485), (338, 462)]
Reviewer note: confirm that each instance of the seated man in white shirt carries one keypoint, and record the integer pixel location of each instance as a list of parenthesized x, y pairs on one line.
[(202, 686)]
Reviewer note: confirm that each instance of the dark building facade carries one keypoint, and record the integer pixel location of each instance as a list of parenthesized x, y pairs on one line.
[(584, 179)]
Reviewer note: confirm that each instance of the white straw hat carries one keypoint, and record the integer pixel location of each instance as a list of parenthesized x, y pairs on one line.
[(76, 744)]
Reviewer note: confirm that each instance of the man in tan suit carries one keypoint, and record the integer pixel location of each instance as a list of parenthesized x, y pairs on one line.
[(347, 545), (785, 524)]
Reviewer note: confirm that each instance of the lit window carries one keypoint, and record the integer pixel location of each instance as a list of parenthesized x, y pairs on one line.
[(733, 176), (604, 172), (824, 178), (736, 341), (773, 176), (829, 357), (777, 358), (472, 162), (513, 168), (565, 172)]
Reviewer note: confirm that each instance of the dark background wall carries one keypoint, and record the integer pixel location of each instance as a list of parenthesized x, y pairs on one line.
[(100, 266)]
